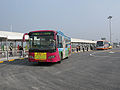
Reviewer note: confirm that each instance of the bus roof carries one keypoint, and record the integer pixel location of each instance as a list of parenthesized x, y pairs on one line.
[(58, 32), (61, 33), (44, 31)]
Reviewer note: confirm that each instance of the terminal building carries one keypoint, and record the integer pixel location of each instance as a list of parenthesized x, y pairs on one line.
[(15, 39), (7, 38), (11, 42)]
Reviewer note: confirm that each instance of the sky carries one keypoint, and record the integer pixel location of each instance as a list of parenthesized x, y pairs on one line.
[(83, 19)]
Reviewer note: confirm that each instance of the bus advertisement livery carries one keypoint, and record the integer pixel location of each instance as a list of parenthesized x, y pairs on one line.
[(103, 45), (48, 46)]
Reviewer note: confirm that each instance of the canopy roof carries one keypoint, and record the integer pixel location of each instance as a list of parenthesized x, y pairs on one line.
[(81, 41), (11, 35), (19, 36)]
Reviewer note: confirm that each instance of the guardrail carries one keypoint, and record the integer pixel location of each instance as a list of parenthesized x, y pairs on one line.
[(82, 48), (15, 54), (6, 55)]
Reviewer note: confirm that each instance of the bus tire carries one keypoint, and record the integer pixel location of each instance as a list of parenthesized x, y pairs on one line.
[(67, 57), (59, 62)]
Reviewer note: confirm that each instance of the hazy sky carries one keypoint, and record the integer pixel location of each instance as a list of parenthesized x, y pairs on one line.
[(84, 19)]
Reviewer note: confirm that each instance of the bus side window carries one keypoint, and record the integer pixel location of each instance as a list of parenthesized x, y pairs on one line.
[(59, 41), (60, 45)]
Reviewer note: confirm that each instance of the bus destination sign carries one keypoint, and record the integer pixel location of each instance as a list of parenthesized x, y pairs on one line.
[(42, 33)]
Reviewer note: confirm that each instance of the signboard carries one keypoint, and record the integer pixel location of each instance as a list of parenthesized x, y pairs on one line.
[(40, 56), (42, 33)]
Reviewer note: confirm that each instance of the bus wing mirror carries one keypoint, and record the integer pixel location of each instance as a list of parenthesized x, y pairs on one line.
[(24, 36)]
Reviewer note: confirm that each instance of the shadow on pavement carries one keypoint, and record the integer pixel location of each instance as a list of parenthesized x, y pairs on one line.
[(25, 62)]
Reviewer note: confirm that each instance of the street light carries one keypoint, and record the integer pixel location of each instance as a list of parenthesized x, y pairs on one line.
[(110, 17)]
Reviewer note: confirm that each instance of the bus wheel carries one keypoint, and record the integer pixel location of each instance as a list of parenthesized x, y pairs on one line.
[(66, 57), (59, 62)]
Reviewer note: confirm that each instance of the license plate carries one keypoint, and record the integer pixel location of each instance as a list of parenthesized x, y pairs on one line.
[(40, 56)]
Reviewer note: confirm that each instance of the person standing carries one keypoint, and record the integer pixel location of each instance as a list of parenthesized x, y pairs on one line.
[(83, 48), (77, 48), (11, 50), (21, 50), (18, 47)]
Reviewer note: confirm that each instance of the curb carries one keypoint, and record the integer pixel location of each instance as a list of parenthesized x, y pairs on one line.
[(1, 61), (11, 60)]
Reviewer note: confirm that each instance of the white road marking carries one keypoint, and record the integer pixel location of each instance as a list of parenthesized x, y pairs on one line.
[(35, 88), (111, 52), (93, 54)]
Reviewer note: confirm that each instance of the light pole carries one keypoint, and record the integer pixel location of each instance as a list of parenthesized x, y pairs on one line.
[(110, 17)]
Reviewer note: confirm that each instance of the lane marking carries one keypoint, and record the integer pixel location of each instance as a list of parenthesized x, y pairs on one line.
[(111, 52), (11, 60), (35, 88), (93, 54)]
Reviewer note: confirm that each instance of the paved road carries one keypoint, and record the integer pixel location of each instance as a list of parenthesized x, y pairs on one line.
[(99, 70)]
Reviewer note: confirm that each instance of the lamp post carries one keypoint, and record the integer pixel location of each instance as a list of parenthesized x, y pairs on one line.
[(110, 17)]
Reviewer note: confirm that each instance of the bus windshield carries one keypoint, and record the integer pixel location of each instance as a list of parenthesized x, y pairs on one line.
[(42, 42), (100, 43)]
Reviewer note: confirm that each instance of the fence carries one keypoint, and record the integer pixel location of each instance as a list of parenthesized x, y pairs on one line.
[(6, 55), (82, 48)]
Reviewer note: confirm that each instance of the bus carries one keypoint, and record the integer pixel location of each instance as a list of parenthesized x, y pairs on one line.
[(102, 45), (48, 46)]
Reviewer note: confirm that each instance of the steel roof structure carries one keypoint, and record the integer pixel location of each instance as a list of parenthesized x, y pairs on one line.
[(19, 36)]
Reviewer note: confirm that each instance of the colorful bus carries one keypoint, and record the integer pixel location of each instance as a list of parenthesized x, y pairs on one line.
[(48, 46), (102, 45)]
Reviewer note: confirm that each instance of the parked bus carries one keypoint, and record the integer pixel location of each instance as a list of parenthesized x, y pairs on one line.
[(48, 46), (102, 45)]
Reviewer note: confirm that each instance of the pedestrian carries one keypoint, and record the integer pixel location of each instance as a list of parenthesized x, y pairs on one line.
[(18, 47), (83, 48), (87, 48), (77, 48), (21, 50), (11, 50)]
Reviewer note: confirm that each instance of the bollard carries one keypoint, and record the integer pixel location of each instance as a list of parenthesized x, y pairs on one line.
[(7, 54)]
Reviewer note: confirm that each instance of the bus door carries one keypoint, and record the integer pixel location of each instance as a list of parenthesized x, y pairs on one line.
[(63, 41)]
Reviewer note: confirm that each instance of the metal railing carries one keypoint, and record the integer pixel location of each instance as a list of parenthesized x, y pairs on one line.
[(82, 49), (6, 55)]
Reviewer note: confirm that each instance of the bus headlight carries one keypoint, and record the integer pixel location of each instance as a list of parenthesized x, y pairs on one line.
[(51, 57)]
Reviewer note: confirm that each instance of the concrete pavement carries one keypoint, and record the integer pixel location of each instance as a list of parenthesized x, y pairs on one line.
[(80, 71)]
